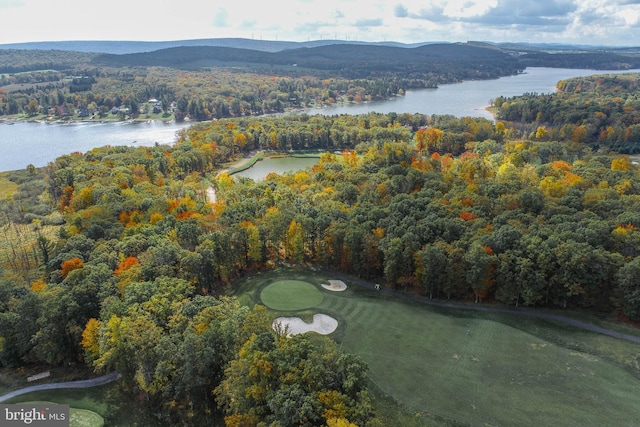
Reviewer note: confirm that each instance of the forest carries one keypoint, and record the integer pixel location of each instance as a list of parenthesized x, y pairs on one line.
[(211, 82), (600, 111), (116, 259), (204, 83)]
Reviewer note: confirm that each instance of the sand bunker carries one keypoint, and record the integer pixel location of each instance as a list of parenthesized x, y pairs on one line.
[(322, 324), (335, 285)]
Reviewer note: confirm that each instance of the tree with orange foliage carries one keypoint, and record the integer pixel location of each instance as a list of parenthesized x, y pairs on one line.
[(128, 271), (467, 216), (70, 265), (350, 158), (420, 164), (126, 264)]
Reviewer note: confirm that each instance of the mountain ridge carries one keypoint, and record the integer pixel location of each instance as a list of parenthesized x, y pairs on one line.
[(120, 47), (132, 46)]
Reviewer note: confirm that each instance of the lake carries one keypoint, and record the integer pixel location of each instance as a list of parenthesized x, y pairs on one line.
[(25, 143), (278, 165), (470, 98)]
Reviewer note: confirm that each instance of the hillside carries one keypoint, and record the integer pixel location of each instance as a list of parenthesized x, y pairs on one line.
[(206, 82), (350, 58), (125, 47), (121, 47), (346, 60)]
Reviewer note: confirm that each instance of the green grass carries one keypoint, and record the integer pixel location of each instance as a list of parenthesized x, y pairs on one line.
[(84, 418), (290, 295), (509, 370), (78, 417), (249, 164), (107, 402)]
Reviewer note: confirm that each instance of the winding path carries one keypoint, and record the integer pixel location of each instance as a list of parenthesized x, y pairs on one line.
[(211, 191), (491, 309), (93, 382)]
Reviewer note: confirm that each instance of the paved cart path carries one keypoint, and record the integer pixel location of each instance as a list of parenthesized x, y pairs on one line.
[(93, 382)]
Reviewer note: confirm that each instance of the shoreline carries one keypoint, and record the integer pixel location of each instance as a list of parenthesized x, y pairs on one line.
[(10, 120)]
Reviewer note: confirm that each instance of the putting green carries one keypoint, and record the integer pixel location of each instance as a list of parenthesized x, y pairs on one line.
[(77, 417), (290, 295), (448, 366), (85, 418)]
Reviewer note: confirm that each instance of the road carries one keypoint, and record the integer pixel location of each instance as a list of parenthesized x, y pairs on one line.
[(105, 379)]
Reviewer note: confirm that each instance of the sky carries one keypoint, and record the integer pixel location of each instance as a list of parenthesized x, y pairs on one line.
[(590, 22)]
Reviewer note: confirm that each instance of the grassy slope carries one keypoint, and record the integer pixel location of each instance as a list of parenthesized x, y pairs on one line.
[(79, 417), (508, 371)]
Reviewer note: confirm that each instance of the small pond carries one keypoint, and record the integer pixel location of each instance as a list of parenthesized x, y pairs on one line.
[(279, 165)]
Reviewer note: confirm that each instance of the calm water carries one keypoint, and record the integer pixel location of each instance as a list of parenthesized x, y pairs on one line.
[(25, 143), (467, 98), (38, 143), (278, 165)]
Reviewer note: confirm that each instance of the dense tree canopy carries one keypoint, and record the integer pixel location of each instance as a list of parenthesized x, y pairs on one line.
[(602, 111), (133, 276)]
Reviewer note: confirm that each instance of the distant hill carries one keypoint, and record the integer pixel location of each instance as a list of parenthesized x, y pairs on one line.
[(346, 60), (433, 62), (128, 47), (566, 48)]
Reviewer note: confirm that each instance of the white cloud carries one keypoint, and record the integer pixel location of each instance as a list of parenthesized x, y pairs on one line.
[(6, 4), (400, 11), (467, 9), (584, 21), (220, 18)]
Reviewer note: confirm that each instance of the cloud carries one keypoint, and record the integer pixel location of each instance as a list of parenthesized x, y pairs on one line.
[(313, 27), (500, 12), (6, 4), (467, 8), (399, 11), (535, 12), (432, 12), (368, 23), (221, 18), (611, 22), (248, 24)]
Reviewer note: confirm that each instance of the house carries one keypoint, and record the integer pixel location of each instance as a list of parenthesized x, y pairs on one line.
[(62, 111), (120, 109)]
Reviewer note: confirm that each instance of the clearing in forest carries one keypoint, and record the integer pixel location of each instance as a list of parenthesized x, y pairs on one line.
[(470, 367)]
